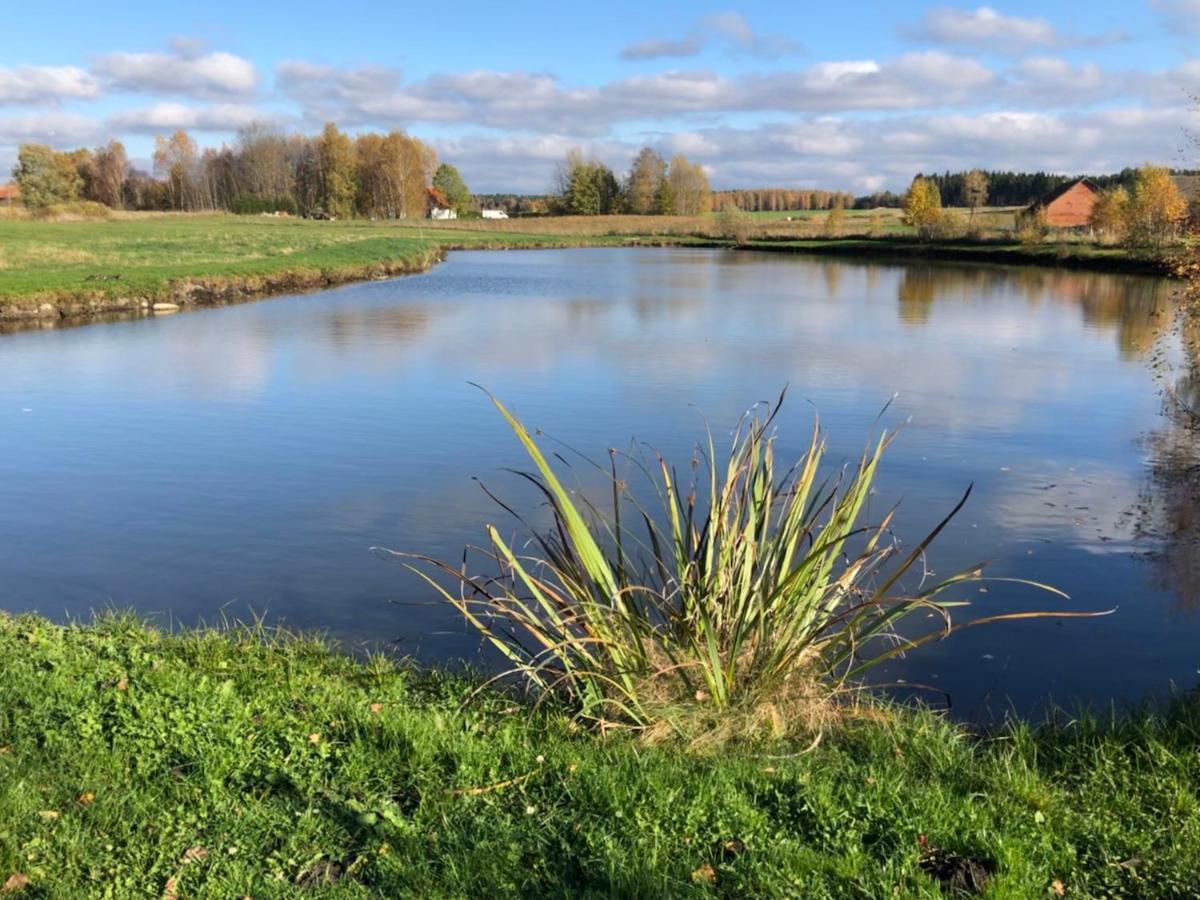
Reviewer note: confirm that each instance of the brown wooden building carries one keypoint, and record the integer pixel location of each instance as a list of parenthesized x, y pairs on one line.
[(10, 195), (1068, 206)]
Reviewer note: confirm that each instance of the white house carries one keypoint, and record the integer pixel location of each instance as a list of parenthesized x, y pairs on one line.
[(439, 207), (494, 214)]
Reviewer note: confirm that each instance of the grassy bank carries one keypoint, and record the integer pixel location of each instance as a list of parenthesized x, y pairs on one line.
[(75, 268), (130, 262), (1074, 255), (138, 764)]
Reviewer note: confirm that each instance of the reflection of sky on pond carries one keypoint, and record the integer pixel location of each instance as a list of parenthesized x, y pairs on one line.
[(248, 457)]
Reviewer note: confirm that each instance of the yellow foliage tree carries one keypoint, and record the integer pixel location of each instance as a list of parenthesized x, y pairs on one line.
[(1156, 209), (923, 207), (1110, 215)]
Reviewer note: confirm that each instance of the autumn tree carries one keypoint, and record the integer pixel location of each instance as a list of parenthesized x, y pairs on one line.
[(643, 181), (265, 169), (175, 160), (923, 207), (107, 171), (335, 173), (448, 180), (391, 175), (1111, 213), (835, 220), (45, 176), (1156, 209), (664, 199), (975, 190), (690, 191)]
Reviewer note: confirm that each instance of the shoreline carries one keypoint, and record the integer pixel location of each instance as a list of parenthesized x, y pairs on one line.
[(95, 306)]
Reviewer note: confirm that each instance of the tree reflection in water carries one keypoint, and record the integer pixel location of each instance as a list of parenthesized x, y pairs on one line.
[(1168, 511)]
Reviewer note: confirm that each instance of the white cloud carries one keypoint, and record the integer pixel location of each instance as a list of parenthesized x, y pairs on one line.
[(539, 102), (853, 153), (163, 117), (660, 48), (35, 85), (730, 28), (1181, 15), (182, 71), (986, 28), (58, 129)]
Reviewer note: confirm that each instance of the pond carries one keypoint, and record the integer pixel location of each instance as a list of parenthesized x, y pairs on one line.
[(245, 459)]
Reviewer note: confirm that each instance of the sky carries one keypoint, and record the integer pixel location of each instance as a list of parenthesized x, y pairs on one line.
[(856, 96)]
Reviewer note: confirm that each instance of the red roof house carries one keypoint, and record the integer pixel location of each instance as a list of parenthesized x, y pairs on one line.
[(1069, 205)]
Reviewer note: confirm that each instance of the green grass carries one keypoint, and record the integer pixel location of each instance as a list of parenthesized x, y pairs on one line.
[(147, 253), (141, 764)]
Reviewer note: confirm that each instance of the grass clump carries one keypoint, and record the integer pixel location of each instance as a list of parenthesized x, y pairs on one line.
[(755, 588)]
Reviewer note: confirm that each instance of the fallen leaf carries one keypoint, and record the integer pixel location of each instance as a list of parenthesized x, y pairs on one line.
[(123, 684), (16, 882), (1057, 888), (706, 874), (193, 854), (314, 738), (733, 849), (49, 814), (169, 889), (4, 750), (376, 707), (87, 797)]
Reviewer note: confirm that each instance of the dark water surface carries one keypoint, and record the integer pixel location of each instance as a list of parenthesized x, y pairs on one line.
[(246, 458)]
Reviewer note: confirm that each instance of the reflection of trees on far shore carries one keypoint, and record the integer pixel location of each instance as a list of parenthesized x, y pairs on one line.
[(1137, 308), (1168, 510)]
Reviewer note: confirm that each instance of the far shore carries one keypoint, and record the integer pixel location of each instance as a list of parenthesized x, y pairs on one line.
[(55, 272)]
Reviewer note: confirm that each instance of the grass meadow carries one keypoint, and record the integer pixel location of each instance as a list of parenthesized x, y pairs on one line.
[(136, 763)]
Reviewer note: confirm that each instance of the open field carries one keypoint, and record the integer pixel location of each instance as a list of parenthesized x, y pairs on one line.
[(57, 269), (993, 219), (137, 764), (140, 255)]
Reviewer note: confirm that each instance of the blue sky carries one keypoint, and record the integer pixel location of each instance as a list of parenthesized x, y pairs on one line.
[(853, 95)]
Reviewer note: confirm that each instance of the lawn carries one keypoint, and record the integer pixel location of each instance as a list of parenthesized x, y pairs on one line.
[(140, 255), (135, 763)]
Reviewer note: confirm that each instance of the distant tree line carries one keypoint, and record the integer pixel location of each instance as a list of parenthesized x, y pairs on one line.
[(780, 200), (330, 175), (515, 204)]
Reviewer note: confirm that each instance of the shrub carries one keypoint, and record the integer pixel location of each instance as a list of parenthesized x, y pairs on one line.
[(951, 225), (748, 589), (835, 221), (734, 224), (76, 209), (1032, 227), (251, 205)]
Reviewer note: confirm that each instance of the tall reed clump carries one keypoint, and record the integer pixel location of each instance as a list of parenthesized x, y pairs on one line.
[(752, 583)]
